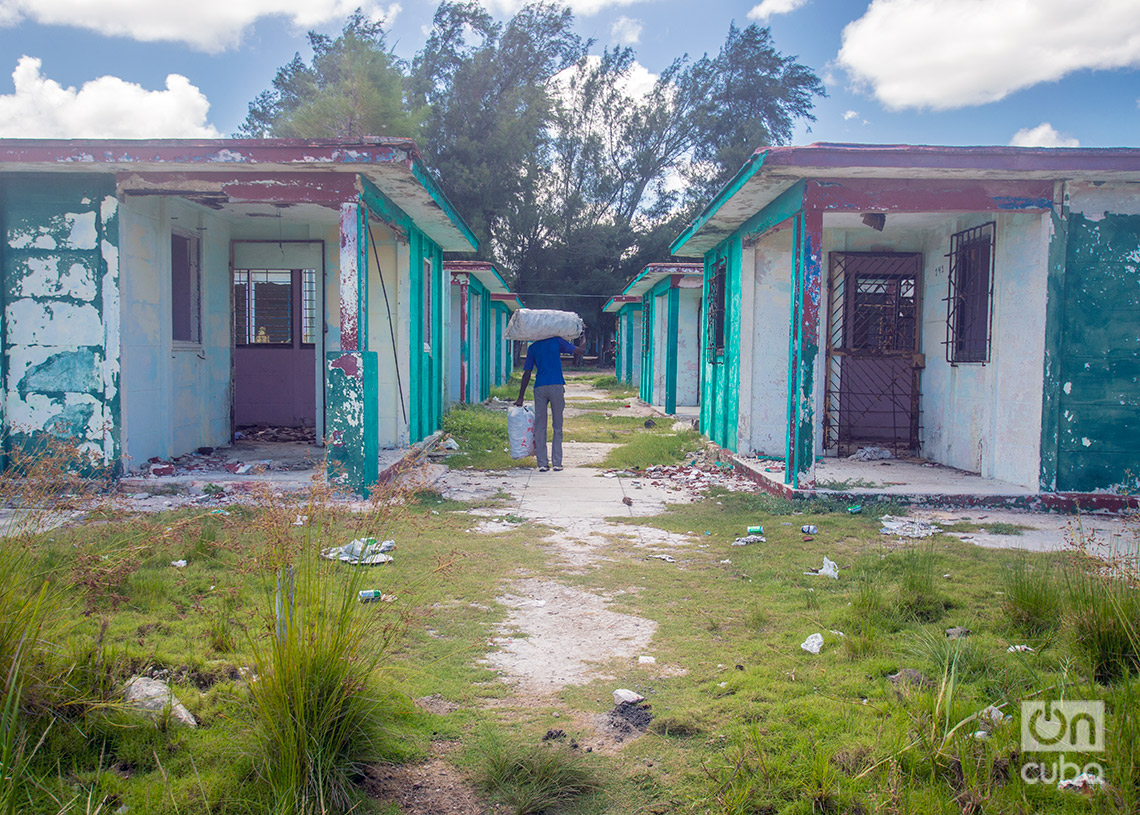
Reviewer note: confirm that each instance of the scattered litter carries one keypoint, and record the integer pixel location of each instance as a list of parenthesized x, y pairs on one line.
[(361, 552), (958, 632), (813, 643), (301, 520), (219, 512), (839, 634), (627, 697), (627, 501), (871, 453), (1019, 649), (907, 527), (809, 529), (1085, 782), (993, 715), (829, 569), (747, 539), (649, 423), (375, 596), (666, 558), (854, 509), (238, 468), (981, 735), (643, 660), (755, 530), (609, 475), (727, 561), (450, 444), (178, 564)]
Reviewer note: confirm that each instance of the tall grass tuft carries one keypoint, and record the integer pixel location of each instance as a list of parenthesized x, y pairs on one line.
[(531, 780), (918, 598), (318, 715), (1104, 614), (1033, 599)]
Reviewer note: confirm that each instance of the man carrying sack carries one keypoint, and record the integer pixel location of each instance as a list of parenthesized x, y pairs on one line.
[(545, 355)]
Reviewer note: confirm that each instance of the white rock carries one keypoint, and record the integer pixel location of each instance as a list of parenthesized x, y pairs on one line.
[(152, 697), (626, 696), (647, 660)]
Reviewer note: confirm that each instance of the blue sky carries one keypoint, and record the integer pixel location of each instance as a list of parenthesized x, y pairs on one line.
[(1047, 72)]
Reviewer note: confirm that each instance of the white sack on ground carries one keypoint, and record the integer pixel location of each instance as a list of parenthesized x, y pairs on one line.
[(520, 431), (533, 324)]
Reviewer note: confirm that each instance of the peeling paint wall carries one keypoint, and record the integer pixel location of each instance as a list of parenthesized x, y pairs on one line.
[(1098, 386), (382, 243), (60, 264), (454, 344), (688, 346), (660, 344), (768, 367)]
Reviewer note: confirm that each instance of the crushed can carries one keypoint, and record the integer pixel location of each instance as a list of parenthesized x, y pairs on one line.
[(756, 530), (809, 529)]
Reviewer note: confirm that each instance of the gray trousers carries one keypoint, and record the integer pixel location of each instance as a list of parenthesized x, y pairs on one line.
[(555, 397)]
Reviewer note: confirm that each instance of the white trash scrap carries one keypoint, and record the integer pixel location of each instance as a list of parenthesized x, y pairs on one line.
[(361, 552), (813, 644), (533, 324), (829, 569), (907, 527), (871, 453), (747, 539)]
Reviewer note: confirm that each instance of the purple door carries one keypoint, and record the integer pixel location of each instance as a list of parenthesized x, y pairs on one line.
[(274, 347), (873, 356)]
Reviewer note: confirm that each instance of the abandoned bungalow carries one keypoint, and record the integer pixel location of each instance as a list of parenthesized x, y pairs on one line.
[(158, 294), (669, 319), (974, 307), (627, 329), (478, 310)]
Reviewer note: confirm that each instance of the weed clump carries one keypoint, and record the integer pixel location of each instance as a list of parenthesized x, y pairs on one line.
[(1033, 600), (532, 780)]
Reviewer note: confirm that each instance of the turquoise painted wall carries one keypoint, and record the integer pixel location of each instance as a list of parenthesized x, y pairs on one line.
[(61, 324), (720, 375), (1097, 384)]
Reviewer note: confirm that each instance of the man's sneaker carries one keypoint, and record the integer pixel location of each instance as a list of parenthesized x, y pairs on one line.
[(543, 469), (557, 468)]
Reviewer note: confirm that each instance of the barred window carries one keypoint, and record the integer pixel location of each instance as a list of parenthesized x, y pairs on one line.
[(646, 322), (263, 307), (716, 303), (969, 304)]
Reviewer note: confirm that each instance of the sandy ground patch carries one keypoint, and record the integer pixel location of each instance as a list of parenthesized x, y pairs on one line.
[(567, 634)]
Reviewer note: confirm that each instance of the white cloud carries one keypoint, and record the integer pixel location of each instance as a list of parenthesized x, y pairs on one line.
[(209, 25), (849, 115), (767, 8), (637, 84), (626, 30), (104, 108), (952, 53), (584, 8), (1044, 135)]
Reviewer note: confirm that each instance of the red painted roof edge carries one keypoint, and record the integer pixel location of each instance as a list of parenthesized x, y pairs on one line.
[(985, 157)]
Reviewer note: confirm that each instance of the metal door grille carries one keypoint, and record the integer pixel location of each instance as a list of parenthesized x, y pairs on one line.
[(871, 394)]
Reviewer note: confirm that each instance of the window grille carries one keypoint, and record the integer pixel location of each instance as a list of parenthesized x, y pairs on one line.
[(309, 306), (646, 324), (263, 307), (969, 304), (715, 329)]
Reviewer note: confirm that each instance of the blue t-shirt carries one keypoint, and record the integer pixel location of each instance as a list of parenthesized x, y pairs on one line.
[(546, 355)]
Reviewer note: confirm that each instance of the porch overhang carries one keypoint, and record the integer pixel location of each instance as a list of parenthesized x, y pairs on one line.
[(511, 301), (616, 303), (654, 273), (275, 172), (883, 178), (486, 273)]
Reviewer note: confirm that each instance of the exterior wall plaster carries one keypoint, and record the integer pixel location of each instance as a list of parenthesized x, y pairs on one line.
[(61, 313), (688, 347), (768, 367)]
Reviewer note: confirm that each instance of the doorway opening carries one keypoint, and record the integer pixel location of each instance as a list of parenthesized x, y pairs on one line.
[(874, 359)]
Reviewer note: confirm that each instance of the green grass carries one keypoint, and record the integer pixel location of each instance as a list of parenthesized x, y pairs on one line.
[(649, 448), (482, 437), (533, 778)]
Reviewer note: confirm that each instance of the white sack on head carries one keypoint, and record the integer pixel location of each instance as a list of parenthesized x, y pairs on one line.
[(533, 324)]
